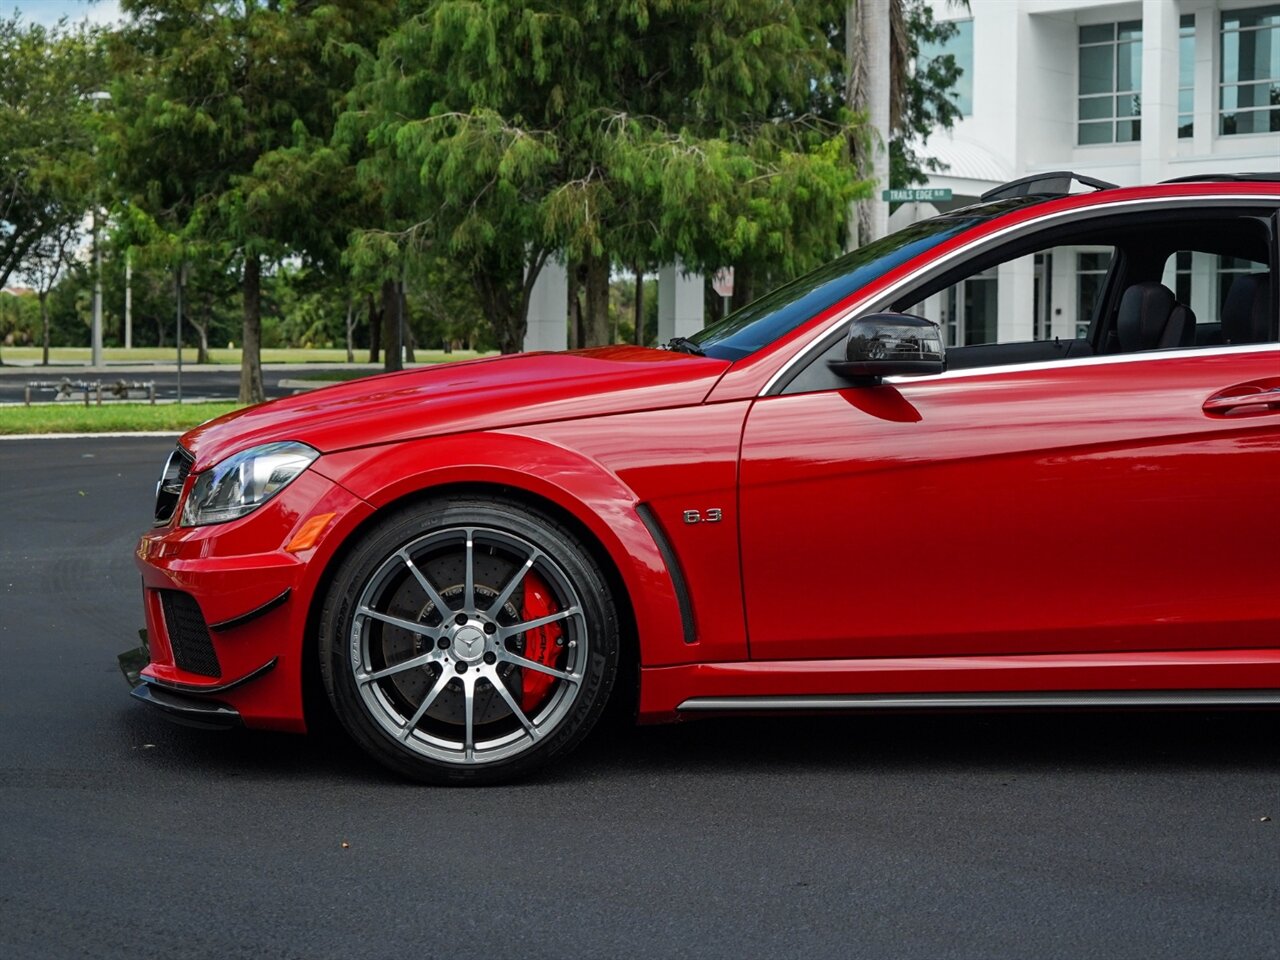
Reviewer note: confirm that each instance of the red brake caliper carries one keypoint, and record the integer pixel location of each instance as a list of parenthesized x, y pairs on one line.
[(540, 643)]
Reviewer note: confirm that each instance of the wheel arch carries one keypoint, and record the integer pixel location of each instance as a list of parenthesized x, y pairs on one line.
[(581, 494)]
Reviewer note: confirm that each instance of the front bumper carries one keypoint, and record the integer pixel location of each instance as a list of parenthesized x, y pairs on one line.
[(227, 607)]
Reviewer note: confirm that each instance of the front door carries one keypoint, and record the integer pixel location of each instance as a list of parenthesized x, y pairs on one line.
[(1092, 505)]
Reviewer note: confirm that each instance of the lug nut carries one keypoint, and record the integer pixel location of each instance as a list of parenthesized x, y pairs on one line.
[(460, 619), (443, 643), (491, 628), (491, 658), (462, 668)]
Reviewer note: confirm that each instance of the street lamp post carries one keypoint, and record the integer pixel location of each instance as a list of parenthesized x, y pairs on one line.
[(95, 360)]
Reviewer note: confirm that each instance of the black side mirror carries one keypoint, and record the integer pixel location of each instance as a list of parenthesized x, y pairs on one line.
[(889, 345)]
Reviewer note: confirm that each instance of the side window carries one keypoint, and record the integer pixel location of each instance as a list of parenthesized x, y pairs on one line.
[(1204, 282), (1153, 280), (1049, 295)]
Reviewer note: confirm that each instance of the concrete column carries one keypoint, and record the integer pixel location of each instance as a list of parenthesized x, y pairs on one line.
[(1063, 306), (548, 327), (1015, 297), (680, 302), (1205, 95), (1159, 87), (1204, 285)]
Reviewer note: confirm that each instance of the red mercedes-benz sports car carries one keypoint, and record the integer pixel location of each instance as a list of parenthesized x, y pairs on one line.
[(1025, 453)]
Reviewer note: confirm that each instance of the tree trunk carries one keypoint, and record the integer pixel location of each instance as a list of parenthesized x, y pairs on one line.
[(868, 82), (405, 326), (391, 325), (251, 349), (504, 299), (640, 337), (201, 327), (596, 319), (573, 277), (375, 330), (44, 325), (351, 324)]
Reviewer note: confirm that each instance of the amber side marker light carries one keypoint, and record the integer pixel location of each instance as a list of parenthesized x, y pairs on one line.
[(306, 538)]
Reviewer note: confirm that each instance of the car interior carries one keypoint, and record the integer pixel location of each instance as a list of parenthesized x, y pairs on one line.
[(1134, 309)]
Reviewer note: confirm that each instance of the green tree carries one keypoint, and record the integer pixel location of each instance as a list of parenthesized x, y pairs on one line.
[(926, 98), (225, 109), (47, 135), (504, 133)]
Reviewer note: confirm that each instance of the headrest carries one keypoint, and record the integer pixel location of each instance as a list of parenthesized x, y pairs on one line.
[(1151, 318), (1246, 311)]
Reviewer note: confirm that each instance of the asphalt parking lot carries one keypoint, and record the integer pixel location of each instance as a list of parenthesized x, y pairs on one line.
[(1107, 835)]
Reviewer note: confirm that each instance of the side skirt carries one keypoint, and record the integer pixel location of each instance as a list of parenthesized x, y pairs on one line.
[(1152, 678), (982, 701)]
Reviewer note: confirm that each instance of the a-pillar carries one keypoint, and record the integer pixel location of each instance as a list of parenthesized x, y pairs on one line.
[(680, 302), (548, 327)]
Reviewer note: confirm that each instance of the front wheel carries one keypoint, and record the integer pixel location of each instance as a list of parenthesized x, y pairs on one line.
[(469, 639)]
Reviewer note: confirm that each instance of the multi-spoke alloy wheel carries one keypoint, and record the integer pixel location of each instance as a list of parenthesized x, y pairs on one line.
[(468, 640)]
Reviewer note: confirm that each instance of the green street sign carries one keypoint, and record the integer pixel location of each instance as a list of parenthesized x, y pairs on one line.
[(916, 194)]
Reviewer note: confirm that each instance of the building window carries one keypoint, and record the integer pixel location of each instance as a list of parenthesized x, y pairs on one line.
[(1091, 274), (1186, 75), (1249, 92), (970, 310), (960, 46), (1110, 102)]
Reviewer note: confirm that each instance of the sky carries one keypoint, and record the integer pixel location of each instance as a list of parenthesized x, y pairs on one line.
[(48, 12)]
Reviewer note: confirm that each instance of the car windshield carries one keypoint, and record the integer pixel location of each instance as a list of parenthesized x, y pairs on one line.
[(779, 312)]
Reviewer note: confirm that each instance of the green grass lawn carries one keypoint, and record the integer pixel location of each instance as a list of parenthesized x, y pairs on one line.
[(71, 417), (216, 355)]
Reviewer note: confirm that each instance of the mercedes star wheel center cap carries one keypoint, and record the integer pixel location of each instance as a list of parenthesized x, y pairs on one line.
[(468, 644)]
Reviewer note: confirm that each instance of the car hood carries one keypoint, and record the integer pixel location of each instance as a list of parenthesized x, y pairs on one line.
[(468, 395)]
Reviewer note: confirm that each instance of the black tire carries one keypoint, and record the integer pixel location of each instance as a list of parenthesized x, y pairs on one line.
[(386, 610)]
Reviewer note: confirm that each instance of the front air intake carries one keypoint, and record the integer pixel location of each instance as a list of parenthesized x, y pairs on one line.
[(189, 634)]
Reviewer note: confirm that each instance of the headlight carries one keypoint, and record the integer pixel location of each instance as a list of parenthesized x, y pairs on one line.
[(243, 482)]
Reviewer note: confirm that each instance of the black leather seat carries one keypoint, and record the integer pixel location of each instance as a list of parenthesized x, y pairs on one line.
[(1151, 318), (1246, 314)]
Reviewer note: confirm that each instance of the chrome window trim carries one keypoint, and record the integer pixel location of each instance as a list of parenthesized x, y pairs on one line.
[(1147, 356), (818, 340)]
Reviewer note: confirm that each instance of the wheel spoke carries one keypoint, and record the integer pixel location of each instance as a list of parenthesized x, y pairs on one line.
[(413, 663), (520, 661), (469, 591), (413, 626), (496, 682), (516, 579), (518, 628), (469, 700), (437, 688), (432, 593)]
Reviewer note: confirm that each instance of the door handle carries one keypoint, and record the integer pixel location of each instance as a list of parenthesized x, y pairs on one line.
[(1252, 397)]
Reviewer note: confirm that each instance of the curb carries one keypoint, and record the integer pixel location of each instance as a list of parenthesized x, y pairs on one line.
[(89, 436)]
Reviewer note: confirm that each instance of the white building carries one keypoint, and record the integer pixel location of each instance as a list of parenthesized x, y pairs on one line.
[(1130, 93)]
